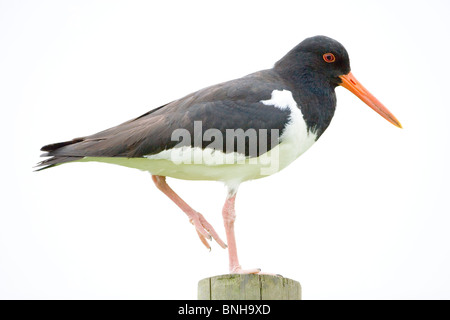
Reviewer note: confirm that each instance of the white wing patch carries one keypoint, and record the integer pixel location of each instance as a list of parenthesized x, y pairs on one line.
[(282, 100)]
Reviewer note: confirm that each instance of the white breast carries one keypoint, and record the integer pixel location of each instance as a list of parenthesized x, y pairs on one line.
[(295, 139)]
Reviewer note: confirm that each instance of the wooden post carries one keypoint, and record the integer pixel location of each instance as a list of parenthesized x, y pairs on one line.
[(248, 287)]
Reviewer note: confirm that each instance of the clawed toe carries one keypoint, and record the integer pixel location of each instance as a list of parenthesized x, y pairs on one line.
[(239, 270), (205, 231)]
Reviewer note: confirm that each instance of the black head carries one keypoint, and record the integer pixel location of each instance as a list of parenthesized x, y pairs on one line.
[(320, 56), (314, 68)]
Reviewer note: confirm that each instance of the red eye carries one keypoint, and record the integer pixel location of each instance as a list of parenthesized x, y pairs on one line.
[(329, 57)]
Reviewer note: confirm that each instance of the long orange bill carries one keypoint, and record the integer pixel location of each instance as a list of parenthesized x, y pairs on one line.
[(349, 82)]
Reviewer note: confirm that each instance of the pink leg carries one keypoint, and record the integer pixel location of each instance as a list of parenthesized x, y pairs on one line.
[(229, 216), (204, 229)]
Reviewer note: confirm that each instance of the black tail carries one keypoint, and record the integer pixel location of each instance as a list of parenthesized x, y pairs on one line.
[(55, 146), (51, 149), (53, 161)]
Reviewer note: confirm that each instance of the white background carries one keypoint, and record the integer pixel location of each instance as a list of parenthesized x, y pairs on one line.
[(364, 214)]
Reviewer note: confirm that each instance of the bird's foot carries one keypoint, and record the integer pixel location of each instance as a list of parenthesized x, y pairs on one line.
[(205, 231), (239, 270)]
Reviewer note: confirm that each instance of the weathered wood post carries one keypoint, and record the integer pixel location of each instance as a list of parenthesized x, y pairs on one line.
[(248, 287)]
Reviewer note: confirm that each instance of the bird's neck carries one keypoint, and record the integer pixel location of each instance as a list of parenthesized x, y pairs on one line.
[(313, 93)]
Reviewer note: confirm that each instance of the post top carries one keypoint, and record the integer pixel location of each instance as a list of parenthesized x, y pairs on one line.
[(248, 287)]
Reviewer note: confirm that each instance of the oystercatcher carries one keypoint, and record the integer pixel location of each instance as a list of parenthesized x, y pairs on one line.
[(235, 131)]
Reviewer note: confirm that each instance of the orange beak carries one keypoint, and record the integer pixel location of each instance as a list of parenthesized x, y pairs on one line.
[(349, 82)]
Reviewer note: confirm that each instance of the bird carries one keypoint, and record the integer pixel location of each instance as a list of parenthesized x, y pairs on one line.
[(239, 130)]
